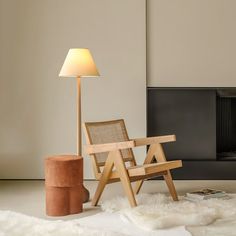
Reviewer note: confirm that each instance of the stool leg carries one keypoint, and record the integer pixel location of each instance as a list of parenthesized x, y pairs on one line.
[(76, 199), (57, 201)]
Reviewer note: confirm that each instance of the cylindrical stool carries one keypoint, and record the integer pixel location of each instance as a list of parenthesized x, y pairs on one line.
[(64, 185)]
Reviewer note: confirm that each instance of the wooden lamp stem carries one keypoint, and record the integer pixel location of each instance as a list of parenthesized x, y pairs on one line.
[(79, 136), (79, 133)]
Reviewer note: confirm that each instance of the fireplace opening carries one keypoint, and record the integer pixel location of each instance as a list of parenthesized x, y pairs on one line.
[(226, 124)]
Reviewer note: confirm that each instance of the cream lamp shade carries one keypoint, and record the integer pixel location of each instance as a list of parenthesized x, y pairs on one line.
[(79, 63)]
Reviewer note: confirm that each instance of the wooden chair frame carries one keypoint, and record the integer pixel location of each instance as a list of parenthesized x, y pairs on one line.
[(115, 169)]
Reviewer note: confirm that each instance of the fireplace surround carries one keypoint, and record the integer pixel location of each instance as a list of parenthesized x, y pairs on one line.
[(204, 121)]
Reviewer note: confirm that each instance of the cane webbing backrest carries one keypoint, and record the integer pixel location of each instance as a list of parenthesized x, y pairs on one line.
[(108, 132)]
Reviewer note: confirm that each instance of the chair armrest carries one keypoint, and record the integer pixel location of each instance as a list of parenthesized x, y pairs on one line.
[(152, 140), (107, 147)]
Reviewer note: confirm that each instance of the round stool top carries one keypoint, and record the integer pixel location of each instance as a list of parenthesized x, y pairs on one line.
[(63, 158), (64, 170)]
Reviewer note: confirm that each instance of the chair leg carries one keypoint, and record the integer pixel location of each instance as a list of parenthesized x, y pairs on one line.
[(129, 191), (125, 180), (103, 180), (138, 186), (171, 186), (149, 158), (98, 193), (160, 157)]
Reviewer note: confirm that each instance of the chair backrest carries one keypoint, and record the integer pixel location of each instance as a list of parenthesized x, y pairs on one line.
[(108, 132)]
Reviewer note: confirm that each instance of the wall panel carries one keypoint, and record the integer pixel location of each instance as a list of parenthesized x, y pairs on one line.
[(38, 110), (191, 43)]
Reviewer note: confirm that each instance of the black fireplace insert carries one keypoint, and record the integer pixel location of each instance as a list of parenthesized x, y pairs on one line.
[(226, 124), (204, 121)]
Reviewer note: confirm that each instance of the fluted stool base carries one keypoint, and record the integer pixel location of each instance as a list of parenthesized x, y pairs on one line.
[(64, 185)]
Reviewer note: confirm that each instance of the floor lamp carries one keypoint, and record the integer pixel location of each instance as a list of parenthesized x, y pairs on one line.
[(79, 63)]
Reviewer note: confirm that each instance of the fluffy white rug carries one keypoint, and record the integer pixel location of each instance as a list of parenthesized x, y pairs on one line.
[(156, 211), (113, 221), (222, 227), (16, 224)]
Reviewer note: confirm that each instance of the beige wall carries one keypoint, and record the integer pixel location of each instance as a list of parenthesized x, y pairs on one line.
[(38, 110), (191, 43)]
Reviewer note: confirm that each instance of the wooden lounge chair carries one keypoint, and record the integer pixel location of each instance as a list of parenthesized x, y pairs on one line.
[(113, 160)]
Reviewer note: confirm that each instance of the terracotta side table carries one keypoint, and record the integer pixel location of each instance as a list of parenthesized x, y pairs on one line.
[(64, 185)]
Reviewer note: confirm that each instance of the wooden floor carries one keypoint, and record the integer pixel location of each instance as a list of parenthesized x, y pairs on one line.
[(28, 197)]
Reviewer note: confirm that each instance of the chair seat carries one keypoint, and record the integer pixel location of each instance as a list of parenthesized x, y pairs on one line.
[(148, 169)]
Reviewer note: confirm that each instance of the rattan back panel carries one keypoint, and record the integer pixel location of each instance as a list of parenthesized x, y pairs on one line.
[(108, 132)]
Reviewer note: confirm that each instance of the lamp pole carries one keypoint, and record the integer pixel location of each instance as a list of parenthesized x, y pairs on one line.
[(79, 133)]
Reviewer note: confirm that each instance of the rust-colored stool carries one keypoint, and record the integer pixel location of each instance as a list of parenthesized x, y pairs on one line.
[(64, 185)]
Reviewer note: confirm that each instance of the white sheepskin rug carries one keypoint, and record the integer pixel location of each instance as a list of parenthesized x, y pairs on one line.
[(157, 211), (16, 224)]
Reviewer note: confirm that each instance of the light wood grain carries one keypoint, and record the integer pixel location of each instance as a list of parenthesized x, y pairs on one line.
[(149, 159), (159, 153), (104, 178), (160, 157), (170, 185), (79, 124), (124, 177), (152, 140), (114, 177), (98, 148), (147, 169), (114, 168)]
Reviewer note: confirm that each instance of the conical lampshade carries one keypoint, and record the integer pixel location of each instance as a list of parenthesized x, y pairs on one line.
[(79, 63)]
